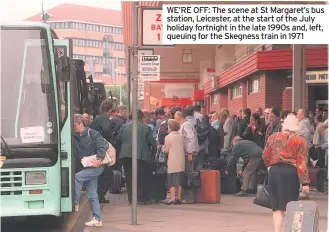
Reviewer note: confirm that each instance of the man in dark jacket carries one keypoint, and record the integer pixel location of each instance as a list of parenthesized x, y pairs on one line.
[(247, 150), (117, 122), (103, 125), (244, 122), (275, 124), (145, 142)]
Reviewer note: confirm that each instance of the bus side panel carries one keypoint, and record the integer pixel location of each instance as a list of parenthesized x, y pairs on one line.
[(64, 47)]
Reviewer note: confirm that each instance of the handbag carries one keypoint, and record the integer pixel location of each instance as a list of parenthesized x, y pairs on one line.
[(262, 196), (160, 162), (110, 155)]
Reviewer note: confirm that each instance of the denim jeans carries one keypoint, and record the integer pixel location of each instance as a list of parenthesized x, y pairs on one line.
[(89, 178)]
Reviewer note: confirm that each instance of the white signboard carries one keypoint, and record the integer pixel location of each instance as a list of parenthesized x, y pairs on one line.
[(34, 134), (140, 90), (144, 52), (152, 27), (150, 68)]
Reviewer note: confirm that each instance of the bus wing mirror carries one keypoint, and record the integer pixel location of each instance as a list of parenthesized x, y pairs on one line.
[(64, 69)]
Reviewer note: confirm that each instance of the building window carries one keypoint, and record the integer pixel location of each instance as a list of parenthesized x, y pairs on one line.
[(121, 62), (214, 99), (254, 86), (236, 91)]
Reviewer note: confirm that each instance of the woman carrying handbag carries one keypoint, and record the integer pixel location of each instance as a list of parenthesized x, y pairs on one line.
[(286, 157)]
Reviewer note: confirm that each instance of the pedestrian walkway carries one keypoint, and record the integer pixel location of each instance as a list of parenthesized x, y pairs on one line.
[(232, 215)]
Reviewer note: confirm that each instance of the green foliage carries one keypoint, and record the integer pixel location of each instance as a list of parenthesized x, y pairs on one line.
[(115, 89)]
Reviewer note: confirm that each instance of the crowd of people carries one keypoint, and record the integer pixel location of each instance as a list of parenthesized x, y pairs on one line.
[(284, 143)]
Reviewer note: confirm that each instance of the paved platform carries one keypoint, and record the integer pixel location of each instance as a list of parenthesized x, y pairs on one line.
[(233, 214)]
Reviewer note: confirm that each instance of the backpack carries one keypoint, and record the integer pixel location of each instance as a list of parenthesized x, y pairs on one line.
[(202, 129), (163, 131)]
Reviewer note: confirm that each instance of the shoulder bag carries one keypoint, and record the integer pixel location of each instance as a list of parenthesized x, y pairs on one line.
[(110, 155), (262, 196)]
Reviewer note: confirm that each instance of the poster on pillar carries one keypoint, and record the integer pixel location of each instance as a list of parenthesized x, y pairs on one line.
[(149, 68)]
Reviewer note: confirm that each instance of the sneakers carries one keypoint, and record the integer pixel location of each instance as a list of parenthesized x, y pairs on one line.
[(76, 207), (241, 194), (94, 222)]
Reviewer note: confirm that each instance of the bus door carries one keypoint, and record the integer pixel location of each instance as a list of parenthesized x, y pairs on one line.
[(66, 111)]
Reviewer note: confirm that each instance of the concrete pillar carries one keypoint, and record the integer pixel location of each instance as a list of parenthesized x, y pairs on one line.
[(298, 76)]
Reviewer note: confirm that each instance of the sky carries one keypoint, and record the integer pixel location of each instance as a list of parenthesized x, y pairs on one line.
[(18, 10)]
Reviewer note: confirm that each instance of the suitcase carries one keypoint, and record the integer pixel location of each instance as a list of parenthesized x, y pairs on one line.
[(116, 182), (313, 172), (157, 187), (209, 191), (230, 184), (302, 216)]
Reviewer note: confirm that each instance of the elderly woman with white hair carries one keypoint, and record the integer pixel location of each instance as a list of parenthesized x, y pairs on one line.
[(286, 156)]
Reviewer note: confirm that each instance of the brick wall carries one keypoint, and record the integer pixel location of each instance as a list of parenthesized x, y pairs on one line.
[(235, 104), (287, 99), (275, 83), (255, 100), (222, 99)]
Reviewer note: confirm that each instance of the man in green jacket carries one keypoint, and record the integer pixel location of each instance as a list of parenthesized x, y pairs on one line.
[(145, 142)]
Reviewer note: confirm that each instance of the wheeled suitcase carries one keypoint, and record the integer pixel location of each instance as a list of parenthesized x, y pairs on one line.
[(209, 191), (302, 216), (116, 182), (157, 187)]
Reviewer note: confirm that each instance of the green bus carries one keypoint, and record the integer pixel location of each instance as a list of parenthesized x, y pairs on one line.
[(38, 100)]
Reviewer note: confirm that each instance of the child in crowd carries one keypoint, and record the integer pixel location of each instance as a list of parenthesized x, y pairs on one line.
[(174, 147)]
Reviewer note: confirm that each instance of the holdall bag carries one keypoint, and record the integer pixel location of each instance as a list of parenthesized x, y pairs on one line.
[(157, 187), (302, 216), (110, 155), (262, 196)]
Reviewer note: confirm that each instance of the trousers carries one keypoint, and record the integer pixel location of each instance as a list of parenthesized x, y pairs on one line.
[(88, 177), (250, 172), (104, 181), (143, 177)]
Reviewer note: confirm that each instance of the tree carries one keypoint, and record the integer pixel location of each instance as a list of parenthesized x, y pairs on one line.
[(115, 89)]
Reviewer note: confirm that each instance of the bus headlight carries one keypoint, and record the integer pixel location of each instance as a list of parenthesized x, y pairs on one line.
[(35, 178)]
